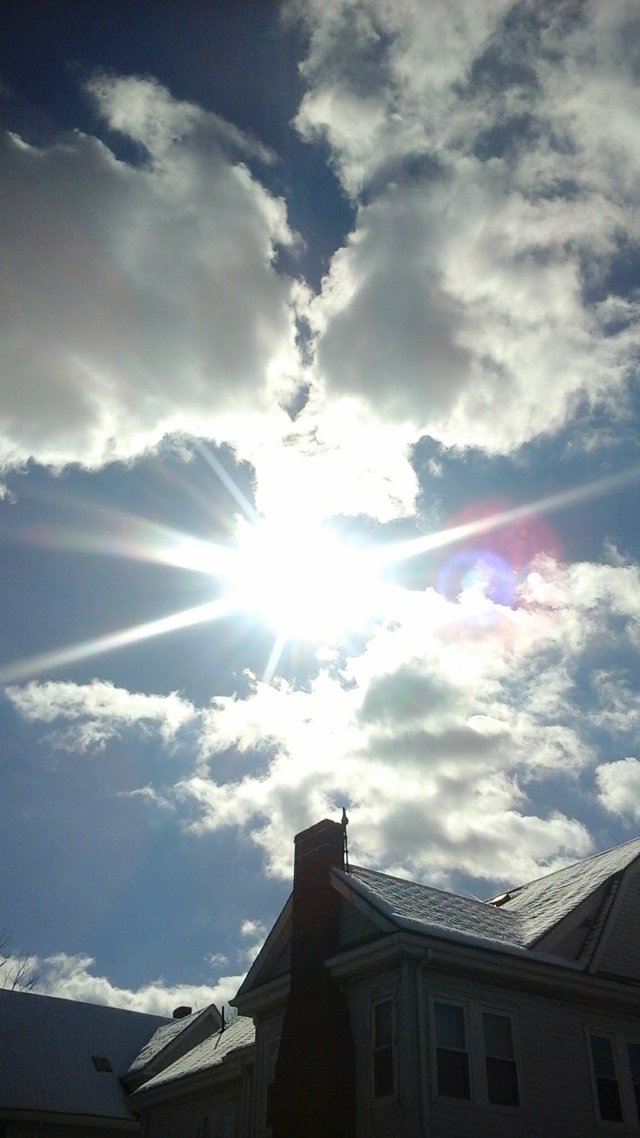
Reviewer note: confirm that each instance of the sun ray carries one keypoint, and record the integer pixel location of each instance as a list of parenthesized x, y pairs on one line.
[(62, 657), (397, 552)]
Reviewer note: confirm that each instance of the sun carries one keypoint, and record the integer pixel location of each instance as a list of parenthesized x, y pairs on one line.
[(302, 579)]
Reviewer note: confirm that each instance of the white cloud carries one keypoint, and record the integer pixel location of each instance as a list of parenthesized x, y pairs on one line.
[(72, 977), (470, 301), (139, 300), (439, 736), (98, 710), (619, 787)]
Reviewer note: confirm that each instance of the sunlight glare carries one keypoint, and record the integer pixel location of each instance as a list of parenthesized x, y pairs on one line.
[(302, 580)]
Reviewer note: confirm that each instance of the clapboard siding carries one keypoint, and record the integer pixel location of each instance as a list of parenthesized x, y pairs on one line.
[(355, 926), (555, 1083), (621, 943)]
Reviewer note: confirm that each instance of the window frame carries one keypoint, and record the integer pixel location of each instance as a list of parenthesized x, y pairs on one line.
[(377, 1049), (466, 1051), (630, 1107), (514, 1058), (474, 1011)]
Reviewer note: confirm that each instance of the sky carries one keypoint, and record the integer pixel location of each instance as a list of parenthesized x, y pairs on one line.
[(319, 462)]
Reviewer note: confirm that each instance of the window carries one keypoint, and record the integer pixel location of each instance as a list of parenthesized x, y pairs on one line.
[(606, 1078), (500, 1061), (382, 1049), (474, 1053), (452, 1059), (227, 1121), (633, 1055), (271, 1049), (615, 1067)]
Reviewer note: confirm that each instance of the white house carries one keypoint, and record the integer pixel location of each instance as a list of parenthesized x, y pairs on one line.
[(386, 1007), (376, 1007)]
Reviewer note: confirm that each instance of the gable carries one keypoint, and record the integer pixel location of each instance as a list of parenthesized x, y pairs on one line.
[(274, 959), (618, 953), (543, 905)]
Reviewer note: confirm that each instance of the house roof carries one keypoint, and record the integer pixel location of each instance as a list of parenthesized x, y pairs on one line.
[(422, 908), (47, 1047), (523, 916), (541, 904), (211, 1053), (164, 1036)]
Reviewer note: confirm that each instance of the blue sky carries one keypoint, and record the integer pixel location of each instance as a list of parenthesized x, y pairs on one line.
[(319, 449)]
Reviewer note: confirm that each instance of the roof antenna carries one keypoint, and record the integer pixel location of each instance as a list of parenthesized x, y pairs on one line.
[(345, 844)]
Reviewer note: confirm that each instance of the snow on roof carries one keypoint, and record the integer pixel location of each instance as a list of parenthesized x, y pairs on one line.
[(519, 921), (422, 908), (161, 1038), (210, 1053), (47, 1047), (542, 903)]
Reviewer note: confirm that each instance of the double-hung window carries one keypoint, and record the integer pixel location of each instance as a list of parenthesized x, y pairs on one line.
[(606, 1078), (500, 1060), (452, 1056), (474, 1053), (615, 1067), (382, 1056)]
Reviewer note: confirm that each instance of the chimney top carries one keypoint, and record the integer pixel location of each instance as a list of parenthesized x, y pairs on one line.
[(182, 1012)]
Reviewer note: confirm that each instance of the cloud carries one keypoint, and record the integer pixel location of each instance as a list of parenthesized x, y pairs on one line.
[(619, 787), (98, 711), (440, 734), (72, 977), (482, 296), (139, 300), (440, 737)]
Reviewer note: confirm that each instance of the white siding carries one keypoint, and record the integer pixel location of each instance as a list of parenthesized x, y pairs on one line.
[(621, 946), (555, 1085)]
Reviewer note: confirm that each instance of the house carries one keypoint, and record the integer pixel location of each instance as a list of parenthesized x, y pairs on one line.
[(207, 1092), (66, 1066), (382, 1007), (386, 1007)]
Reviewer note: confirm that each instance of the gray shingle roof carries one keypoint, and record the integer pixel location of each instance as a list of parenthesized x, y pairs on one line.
[(46, 1050), (208, 1054), (542, 903), (161, 1038), (421, 908), (530, 911)]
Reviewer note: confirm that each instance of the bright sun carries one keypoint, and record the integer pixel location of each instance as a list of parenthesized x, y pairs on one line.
[(302, 580)]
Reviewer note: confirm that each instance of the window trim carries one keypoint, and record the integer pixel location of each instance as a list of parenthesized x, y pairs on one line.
[(387, 998), (463, 1006), (622, 1066), (473, 1010)]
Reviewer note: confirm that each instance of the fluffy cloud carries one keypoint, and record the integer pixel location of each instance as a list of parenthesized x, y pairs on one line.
[(619, 787), (482, 295), (98, 711), (72, 977), (440, 735), (138, 299)]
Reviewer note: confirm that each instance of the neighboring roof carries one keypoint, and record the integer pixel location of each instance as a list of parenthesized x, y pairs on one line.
[(542, 904), (211, 1053), (164, 1036), (46, 1054), (421, 908)]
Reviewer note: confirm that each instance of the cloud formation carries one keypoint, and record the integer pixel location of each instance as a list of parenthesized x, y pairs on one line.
[(138, 300), (484, 295), (441, 735)]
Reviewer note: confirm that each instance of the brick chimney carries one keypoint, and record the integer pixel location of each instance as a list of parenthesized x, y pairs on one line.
[(314, 1087)]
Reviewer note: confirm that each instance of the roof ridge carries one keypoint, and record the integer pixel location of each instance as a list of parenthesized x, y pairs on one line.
[(423, 885), (563, 869)]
